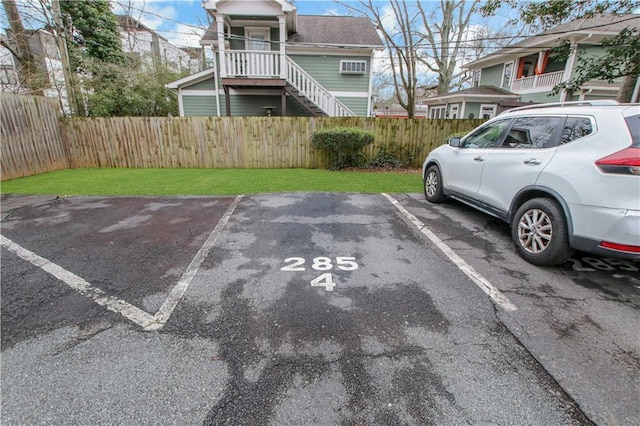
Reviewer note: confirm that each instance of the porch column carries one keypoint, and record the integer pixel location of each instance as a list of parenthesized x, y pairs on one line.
[(221, 50), (283, 106), (568, 68), (227, 100), (283, 38)]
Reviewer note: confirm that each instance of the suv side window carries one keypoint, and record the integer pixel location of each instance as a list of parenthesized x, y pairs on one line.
[(576, 128), (487, 136), (533, 132)]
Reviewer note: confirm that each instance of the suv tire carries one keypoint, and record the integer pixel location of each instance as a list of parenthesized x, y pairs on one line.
[(433, 185), (539, 231)]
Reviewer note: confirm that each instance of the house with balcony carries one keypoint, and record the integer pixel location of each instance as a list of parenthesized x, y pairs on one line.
[(270, 61), (526, 72), (155, 50)]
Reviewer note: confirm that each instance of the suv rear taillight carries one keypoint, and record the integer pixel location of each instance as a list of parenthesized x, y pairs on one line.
[(625, 162), (620, 247)]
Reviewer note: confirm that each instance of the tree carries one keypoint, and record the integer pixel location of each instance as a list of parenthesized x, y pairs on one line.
[(94, 28), (132, 91), (397, 26), (622, 52), (445, 38), (421, 41), (29, 70)]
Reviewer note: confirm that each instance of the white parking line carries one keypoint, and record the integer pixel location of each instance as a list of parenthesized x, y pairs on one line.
[(163, 314), (127, 310), (80, 285), (478, 279)]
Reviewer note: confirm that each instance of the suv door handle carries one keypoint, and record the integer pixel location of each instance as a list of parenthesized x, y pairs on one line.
[(533, 161), (479, 158)]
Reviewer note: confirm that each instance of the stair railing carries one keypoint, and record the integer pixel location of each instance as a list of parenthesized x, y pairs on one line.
[(308, 87)]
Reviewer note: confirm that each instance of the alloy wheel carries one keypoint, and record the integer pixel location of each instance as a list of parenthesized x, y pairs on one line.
[(535, 231)]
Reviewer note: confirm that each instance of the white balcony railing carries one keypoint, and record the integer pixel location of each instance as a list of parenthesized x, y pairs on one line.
[(257, 64), (542, 81)]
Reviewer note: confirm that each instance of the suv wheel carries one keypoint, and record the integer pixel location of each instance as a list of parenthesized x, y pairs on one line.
[(433, 185), (539, 231)]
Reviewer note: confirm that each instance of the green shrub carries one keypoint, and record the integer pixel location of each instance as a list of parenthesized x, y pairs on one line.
[(343, 144), (391, 157)]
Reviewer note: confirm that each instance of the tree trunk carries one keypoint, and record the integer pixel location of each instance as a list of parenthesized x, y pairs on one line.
[(626, 91), (30, 74)]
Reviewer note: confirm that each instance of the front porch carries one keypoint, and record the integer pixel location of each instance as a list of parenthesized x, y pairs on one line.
[(537, 83), (273, 69)]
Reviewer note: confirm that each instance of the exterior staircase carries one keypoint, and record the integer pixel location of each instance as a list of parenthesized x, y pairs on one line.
[(311, 94), (269, 66)]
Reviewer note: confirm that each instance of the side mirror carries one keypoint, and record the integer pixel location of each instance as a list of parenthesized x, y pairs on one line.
[(454, 142)]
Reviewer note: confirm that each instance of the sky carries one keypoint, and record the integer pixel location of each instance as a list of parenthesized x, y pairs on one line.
[(182, 22)]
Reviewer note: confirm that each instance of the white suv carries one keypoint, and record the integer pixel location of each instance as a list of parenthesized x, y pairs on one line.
[(565, 176)]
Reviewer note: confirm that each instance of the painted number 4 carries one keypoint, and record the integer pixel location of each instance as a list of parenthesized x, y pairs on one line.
[(296, 264)]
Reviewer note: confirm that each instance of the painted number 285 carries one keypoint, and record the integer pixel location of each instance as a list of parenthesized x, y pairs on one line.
[(297, 264)]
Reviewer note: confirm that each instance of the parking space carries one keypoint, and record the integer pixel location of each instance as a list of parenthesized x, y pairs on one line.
[(302, 308)]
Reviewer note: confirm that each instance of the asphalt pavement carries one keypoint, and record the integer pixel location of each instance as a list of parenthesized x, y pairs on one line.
[(303, 308)]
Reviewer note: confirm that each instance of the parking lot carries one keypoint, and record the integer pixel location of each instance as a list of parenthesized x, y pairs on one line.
[(304, 308)]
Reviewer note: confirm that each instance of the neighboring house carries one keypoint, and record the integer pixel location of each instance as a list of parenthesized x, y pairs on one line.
[(525, 72), (156, 50), (135, 38), (47, 56), (271, 61), (476, 102), (397, 111)]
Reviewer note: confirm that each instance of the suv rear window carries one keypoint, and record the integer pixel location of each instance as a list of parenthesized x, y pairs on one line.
[(532, 132), (576, 128)]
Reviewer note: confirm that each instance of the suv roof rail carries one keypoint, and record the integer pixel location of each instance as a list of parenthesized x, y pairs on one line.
[(602, 102)]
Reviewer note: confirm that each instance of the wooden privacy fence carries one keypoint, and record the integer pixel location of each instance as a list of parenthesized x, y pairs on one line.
[(35, 139), (238, 142), (31, 136)]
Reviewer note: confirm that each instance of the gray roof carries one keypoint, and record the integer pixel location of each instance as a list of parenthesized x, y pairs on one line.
[(319, 29), (482, 90), (604, 24), (338, 30), (596, 28)]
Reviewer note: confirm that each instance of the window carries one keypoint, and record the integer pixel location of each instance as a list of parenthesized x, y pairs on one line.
[(476, 78), (437, 112), (487, 111), (487, 136), (532, 132), (454, 111), (258, 38), (353, 67), (576, 128), (506, 74)]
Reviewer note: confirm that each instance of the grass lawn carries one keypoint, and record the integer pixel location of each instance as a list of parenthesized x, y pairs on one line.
[(209, 182)]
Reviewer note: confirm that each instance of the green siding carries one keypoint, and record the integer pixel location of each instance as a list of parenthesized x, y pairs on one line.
[(248, 105), (199, 106), (472, 108), (492, 76), (326, 70), (541, 97), (203, 85), (554, 65), (357, 105), (238, 43), (252, 105)]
